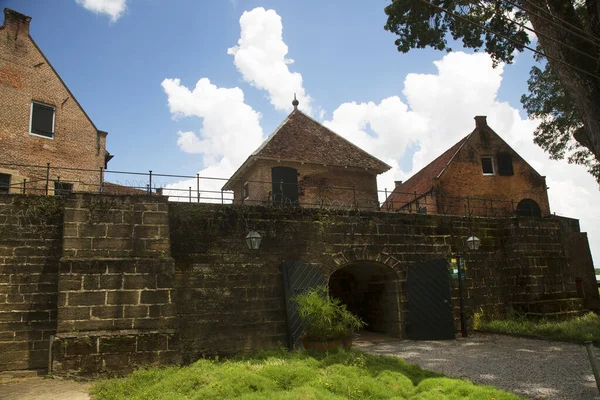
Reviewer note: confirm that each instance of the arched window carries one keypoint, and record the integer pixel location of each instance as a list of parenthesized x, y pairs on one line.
[(528, 208)]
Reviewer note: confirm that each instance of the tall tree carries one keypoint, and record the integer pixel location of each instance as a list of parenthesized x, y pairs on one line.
[(564, 93)]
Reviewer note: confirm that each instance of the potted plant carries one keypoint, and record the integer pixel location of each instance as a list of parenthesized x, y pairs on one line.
[(327, 322)]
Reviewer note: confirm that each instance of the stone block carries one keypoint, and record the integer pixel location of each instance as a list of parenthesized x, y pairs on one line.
[(145, 231), (74, 313), (135, 311), (69, 282), (149, 323), (77, 243), (92, 230), (157, 342), (76, 215), (120, 231), (86, 298), (91, 282), (112, 244), (112, 281), (155, 218), (139, 282), (154, 297), (78, 346), (107, 312), (118, 344), (123, 297)]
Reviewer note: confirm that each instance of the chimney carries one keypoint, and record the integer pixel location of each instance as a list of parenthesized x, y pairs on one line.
[(398, 183), (16, 23), (481, 121)]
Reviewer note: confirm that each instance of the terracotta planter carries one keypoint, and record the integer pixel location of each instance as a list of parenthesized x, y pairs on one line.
[(327, 344)]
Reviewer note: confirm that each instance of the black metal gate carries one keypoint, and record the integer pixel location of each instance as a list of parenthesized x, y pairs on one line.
[(297, 277), (429, 301)]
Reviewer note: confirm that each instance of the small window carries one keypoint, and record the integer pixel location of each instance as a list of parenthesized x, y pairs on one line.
[(4, 183), (505, 166), (246, 192), (62, 188), (42, 120), (487, 165)]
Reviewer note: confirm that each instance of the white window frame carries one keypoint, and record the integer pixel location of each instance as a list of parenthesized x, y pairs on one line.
[(493, 168), (31, 119)]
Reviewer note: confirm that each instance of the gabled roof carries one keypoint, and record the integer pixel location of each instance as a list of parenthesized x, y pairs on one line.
[(302, 139), (422, 182), (19, 15)]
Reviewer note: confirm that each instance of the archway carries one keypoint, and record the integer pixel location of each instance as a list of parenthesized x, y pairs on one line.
[(370, 290), (528, 208)]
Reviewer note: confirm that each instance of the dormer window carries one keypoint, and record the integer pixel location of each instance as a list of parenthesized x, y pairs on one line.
[(505, 166), (246, 192), (487, 165), (42, 120)]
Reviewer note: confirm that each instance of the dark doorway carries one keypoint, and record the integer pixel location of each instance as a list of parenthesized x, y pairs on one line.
[(528, 208), (285, 185), (429, 302), (369, 290)]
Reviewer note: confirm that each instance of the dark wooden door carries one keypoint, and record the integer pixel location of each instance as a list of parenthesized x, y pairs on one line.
[(285, 185), (297, 277), (429, 301)]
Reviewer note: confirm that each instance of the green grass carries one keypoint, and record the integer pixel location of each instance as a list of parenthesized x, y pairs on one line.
[(280, 374), (582, 328)]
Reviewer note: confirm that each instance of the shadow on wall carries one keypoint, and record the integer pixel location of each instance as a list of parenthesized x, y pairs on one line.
[(371, 291)]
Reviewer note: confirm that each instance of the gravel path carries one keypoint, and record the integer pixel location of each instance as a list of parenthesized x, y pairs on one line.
[(534, 369), (38, 388)]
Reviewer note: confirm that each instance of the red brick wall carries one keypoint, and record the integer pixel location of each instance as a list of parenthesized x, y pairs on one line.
[(488, 194), (26, 76), (310, 177)]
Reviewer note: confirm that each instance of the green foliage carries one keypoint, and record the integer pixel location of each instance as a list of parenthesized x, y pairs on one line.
[(279, 374), (582, 328), (325, 317), (498, 28), (419, 25), (560, 120)]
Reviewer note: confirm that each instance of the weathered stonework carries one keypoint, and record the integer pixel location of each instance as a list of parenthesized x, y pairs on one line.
[(126, 281), (115, 285)]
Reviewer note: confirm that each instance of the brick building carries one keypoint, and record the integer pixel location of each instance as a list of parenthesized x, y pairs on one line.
[(304, 163), (41, 122), (480, 175)]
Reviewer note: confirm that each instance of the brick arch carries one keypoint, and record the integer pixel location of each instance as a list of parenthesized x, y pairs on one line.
[(358, 254), (370, 284)]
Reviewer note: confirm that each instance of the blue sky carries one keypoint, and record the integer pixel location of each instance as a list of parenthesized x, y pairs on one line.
[(115, 68), (134, 67)]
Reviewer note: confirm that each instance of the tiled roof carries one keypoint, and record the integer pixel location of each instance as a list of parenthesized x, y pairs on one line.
[(114, 188), (422, 181), (302, 139)]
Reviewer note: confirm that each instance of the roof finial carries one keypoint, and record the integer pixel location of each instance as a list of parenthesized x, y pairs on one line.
[(295, 102)]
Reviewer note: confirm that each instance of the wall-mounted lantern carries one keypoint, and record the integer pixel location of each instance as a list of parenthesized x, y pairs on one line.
[(253, 240), (473, 242)]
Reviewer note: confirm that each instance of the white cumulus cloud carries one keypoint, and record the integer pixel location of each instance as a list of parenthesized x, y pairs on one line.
[(230, 128), (439, 112), (261, 57), (113, 8)]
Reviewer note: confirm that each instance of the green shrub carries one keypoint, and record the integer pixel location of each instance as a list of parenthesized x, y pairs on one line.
[(325, 317), (282, 375), (586, 327)]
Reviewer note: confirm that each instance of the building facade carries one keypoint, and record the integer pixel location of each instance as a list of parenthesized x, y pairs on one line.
[(480, 175), (41, 123), (305, 164)]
